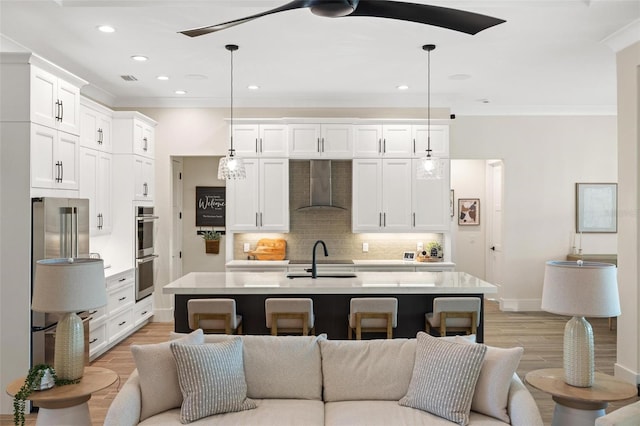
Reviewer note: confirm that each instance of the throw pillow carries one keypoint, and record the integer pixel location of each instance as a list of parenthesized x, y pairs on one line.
[(158, 375), (444, 377), (491, 396), (211, 378)]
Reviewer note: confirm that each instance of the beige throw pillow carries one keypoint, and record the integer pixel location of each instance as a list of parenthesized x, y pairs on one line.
[(158, 375), (491, 396), (211, 378), (444, 377)]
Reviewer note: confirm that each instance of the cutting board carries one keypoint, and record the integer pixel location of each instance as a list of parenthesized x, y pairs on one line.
[(270, 249)]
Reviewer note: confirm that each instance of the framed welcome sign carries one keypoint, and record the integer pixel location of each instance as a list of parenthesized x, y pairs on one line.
[(210, 205)]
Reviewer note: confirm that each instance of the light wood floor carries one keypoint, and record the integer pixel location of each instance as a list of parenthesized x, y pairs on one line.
[(540, 333)]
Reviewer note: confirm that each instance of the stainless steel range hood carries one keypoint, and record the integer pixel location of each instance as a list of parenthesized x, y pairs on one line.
[(320, 186)]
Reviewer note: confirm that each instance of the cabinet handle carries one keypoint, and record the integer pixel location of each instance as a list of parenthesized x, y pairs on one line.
[(380, 219), (146, 145), (414, 220), (61, 110), (61, 171), (122, 298), (57, 179), (256, 145), (318, 143), (145, 189), (100, 140), (322, 144), (122, 323), (143, 313), (384, 145), (384, 219), (99, 227), (93, 312), (414, 145), (95, 339), (121, 279), (379, 146), (260, 218), (256, 219), (58, 105), (261, 148)]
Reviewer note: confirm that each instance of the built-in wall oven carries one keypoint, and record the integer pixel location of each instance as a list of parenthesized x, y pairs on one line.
[(145, 251)]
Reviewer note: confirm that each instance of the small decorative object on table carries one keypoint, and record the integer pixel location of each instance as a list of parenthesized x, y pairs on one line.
[(434, 250), (212, 241)]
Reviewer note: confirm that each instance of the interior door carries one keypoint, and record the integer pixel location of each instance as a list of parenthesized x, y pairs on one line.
[(495, 176), (176, 210)]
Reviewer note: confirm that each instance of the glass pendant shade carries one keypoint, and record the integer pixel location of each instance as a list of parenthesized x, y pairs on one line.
[(231, 167), (430, 167)]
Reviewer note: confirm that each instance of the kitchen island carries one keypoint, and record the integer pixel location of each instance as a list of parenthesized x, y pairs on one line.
[(415, 292)]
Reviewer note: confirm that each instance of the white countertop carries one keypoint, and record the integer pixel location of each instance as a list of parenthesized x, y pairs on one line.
[(220, 283)]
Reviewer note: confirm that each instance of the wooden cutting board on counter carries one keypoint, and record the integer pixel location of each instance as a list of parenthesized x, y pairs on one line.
[(270, 249)]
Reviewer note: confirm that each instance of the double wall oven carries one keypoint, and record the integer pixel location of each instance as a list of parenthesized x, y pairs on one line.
[(145, 251)]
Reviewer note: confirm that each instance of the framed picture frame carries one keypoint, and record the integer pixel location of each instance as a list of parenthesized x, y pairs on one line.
[(409, 256), (468, 211), (452, 203), (210, 205), (597, 207)]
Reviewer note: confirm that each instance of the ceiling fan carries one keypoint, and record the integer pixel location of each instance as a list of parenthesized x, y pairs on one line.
[(453, 19)]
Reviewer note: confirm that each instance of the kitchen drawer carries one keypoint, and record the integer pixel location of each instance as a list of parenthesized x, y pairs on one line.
[(143, 310), (121, 279), (120, 298), (120, 324), (97, 316), (97, 339)]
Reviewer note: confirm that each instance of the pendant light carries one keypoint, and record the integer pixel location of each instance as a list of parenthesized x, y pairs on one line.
[(429, 167), (231, 167)]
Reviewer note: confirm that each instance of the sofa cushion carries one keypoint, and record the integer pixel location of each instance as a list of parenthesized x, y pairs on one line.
[(211, 378), (386, 413), (158, 375), (371, 369), (281, 366), (444, 377), (269, 412), (492, 389)]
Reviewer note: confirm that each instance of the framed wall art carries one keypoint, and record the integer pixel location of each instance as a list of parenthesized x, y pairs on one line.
[(597, 207), (210, 205), (468, 211)]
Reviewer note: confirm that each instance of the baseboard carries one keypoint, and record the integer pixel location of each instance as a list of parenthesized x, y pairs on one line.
[(520, 305), (162, 315), (623, 373)]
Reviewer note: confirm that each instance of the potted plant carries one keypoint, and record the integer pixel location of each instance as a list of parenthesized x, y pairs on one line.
[(212, 241), (434, 249), (40, 377)]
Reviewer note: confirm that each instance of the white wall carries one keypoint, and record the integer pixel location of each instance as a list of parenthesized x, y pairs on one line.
[(543, 158), (469, 242)]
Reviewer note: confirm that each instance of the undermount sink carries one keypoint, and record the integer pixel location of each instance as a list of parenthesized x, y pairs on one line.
[(292, 275)]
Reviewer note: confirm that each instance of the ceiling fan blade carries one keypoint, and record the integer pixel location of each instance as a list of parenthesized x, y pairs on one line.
[(453, 19), (296, 4)]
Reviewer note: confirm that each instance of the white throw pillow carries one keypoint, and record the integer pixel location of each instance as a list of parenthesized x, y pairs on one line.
[(211, 378), (491, 396), (158, 375), (444, 377)]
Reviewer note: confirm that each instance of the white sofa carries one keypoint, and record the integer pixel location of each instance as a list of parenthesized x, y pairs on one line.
[(297, 380)]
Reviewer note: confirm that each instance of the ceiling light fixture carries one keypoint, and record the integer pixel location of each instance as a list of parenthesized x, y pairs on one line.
[(180, 92), (402, 87), (253, 87), (106, 29), (163, 77), (139, 58), (231, 167), (429, 167)]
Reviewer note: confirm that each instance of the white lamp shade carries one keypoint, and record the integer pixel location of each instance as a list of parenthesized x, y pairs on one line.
[(588, 289), (68, 285)]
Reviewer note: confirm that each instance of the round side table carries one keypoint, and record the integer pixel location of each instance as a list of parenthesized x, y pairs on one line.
[(579, 406), (67, 404)]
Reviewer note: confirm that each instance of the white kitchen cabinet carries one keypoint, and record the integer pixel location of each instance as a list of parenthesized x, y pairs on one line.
[(95, 184), (142, 311), (261, 201), (133, 133), (95, 126), (314, 140), (383, 140), (260, 140), (381, 195), (98, 339), (430, 205), (55, 102), (54, 158), (143, 178), (439, 140)]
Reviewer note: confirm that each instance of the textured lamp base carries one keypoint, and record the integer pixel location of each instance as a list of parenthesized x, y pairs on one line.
[(69, 349), (578, 353)]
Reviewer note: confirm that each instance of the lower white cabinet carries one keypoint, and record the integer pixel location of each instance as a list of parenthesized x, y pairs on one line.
[(98, 339), (119, 324), (142, 311)]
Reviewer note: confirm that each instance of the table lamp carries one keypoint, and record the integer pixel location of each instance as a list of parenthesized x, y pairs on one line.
[(68, 286), (580, 289)]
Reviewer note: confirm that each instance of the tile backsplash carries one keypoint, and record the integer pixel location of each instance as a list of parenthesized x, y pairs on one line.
[(333, 226)]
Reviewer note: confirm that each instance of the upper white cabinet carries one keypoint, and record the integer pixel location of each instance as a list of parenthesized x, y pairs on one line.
[(383, 140), (95, 184), (261, 201), (55, 102), (330, 141), (430, 205), (133, 133), (439, 140), (95, 126), (143, 178), (260, 140), (54, 158)]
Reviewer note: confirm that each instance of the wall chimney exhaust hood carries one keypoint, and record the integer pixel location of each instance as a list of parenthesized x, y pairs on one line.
[(320, 186)]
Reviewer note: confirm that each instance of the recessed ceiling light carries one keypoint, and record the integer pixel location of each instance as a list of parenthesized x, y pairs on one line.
[(402, 87), (139, 58), (106, 29), (180, 92), (163, 77), (459, 77), (195, 77), (253, 87), (484, 100)]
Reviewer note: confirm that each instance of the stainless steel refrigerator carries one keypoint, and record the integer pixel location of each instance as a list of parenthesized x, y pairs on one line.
[(60, 228)]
